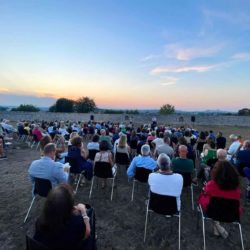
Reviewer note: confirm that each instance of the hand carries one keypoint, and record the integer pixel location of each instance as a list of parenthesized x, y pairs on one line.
[(81, 207)]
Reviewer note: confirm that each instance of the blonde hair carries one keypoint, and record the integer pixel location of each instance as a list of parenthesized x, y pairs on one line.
[(122, 141)]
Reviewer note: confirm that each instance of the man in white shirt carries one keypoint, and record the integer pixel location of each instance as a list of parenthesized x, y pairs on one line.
[(165, 182)]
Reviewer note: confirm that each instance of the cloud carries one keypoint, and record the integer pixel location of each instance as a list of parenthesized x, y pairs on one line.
[(244, 56), (150, 57), (168, 80), (184, 54), (180, 69), (4, 90)]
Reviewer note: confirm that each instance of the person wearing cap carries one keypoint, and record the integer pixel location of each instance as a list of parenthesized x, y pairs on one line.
[(164, 181), (144, 160)]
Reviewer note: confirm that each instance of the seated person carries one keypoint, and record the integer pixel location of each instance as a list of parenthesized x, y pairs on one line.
[(37, 132), (225, 184), (94, 145), (164, 181), (63, 225), (122, 146), (105, 137), (77, 152), (47, 168), (104, 156), (233, 148), (165, 148), (243, 157), (220, 141), (182, 164), (144, 160)]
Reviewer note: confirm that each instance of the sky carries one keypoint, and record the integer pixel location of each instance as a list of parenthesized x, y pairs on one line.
[(133, 54)]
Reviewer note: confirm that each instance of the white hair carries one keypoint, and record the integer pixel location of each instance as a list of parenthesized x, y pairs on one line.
[(163, 162), (145, 149)]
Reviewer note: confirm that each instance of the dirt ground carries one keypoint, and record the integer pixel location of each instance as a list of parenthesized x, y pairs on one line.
[(120, 223)]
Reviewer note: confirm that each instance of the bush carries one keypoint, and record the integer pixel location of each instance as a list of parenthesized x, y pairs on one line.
[(167, 109), (26, 108)]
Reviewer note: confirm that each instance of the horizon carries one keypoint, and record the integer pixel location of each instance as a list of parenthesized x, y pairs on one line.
[(126, 55)]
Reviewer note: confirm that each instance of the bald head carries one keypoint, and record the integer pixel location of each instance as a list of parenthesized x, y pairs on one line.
[(221, 154), (183, 151)]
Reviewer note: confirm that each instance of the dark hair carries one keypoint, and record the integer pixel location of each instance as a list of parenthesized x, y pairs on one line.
[(225, 175), (44, 141), (104, 146), (202, 135), (76, 141), (57, 209), (95, 138)]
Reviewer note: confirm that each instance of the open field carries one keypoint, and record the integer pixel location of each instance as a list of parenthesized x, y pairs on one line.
[(120, 223)]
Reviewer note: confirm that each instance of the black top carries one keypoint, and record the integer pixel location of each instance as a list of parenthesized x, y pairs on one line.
[(70, 238), (221, 142)]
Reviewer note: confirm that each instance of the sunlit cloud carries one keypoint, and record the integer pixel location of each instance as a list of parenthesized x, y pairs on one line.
[(184, 54), (4, 90), (245, 56), (180, 69)]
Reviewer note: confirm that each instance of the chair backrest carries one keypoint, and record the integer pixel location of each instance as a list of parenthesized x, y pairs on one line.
[(122, 158), (163, 204), (224, 210), (42, 187), (103, 169), (187, 178), (74, 167), (92, 153), (35, 138), (141, 174), (32, 244)]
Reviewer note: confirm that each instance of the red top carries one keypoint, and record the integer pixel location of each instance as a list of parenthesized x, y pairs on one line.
[(213, 190), (38, 134)]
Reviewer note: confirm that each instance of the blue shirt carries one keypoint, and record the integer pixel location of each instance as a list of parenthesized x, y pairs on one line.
[(141, 161), (46, 168)]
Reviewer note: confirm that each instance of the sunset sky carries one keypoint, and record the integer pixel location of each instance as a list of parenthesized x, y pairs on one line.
[(132, 54)]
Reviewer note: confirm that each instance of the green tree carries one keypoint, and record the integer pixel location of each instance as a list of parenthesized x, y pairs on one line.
[(26, 107), (63, 105), (244, 111), (85, 105), (167, 109)]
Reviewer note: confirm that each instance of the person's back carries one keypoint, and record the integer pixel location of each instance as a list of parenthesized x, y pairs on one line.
[(165, 182), (181, 164), (62, 225), (47, 168)]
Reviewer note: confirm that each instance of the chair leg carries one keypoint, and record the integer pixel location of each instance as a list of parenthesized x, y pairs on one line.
[(241, 237), (203, 230), (37, 146), (146, 223), (78, 182), (112, 191), (31, 204), (132, 197), (179, 230), (92, 183), (192, 196)]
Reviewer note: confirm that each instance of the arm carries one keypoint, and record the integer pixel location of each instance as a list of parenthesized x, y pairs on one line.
[(131, 168), (82, 209), (60, 174), (110, 159)]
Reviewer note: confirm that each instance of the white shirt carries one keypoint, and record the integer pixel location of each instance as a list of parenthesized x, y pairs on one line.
[(166, 184), (158, 142)]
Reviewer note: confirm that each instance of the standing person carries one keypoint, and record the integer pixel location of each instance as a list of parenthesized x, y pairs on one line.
[(63, 225), (225, 184), (47, 168)]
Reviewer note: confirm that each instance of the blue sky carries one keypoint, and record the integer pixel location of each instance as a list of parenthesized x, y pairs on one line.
[(194, 55)]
